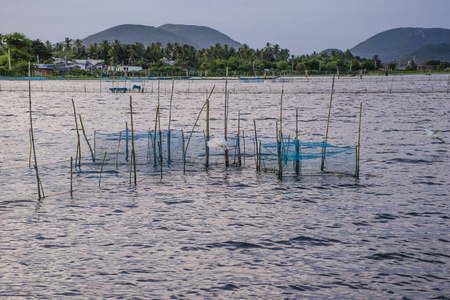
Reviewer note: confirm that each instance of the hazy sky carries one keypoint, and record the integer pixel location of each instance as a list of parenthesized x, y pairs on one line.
[(302, 26)]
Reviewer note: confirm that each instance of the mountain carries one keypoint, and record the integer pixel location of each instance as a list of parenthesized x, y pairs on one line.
[(394, 44), (197, 36), (202, 36), (439, 52), (330, 50)]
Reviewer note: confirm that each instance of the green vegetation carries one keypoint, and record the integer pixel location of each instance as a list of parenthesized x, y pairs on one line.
[(175, 59), (19, 50)]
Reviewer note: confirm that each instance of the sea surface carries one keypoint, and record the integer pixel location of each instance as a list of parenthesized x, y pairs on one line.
[(225, 232)]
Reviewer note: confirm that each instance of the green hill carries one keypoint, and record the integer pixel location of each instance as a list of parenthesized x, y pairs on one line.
[(202, 36), (439, 52), (392, 45), (197, 36)]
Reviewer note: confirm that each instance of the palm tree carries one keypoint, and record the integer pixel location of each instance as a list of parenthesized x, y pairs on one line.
[(59, 47), (93, 51), (80, 49), (168, 53), (136, 51), (103, 50), (67, 45), (49, 46), (115, 52)]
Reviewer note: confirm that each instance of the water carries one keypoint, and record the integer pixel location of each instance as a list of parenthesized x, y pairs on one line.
[(228, 233)]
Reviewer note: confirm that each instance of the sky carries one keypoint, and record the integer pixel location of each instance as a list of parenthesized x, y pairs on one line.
[(302, 26)]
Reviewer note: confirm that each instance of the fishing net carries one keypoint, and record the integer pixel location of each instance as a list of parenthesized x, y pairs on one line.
[(106, 159), (163, 149)]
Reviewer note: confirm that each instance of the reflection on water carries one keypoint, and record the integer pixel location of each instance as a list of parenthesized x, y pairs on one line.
[(228, 232)]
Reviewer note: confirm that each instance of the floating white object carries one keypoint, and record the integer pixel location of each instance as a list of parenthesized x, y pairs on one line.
[(218, 142), (434, 134), (292, 127)]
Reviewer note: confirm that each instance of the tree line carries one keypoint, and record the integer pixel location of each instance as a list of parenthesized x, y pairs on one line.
[(172, 58)]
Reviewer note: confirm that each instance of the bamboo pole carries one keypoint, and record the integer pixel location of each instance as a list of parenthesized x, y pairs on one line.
[(322, 166), (148, 145), (297, 145), (71, 175), (154, 137), (126, 141), (95, 134), (198, 117), (78, 157), (31, 149), (207, 132), (85, 137), (256, 147), (101, 170), (39, 184), (281, 112), (359, 141), (153, 146), (226, 117), (133, 152), (238, 139), (259, 156), (170, 120), (183, 152), (280, 168)]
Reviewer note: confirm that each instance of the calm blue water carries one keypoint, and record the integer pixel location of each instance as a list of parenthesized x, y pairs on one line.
[(228, 233)]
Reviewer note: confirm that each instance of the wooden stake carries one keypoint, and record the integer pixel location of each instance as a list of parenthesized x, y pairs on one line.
[(31, 149), (238, 139), (297, 146), (95, 134), (85, 137), (126, 141), (207, 132), (281, 112), (39, 184), (183, 152), (71, 175), (78, 157), (198, 117), (256, 147), (226, 117), (154, 137), (322, 167), (170, 120), (133, 152), (259, 156), (359, 141), (280, 166)]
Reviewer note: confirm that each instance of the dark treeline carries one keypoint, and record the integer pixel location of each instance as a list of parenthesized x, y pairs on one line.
[(174, 58)]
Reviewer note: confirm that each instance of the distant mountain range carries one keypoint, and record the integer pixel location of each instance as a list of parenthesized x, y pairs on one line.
[(197, 36), (402, 44), (399, 43)]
